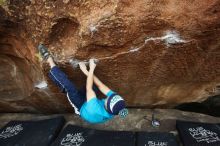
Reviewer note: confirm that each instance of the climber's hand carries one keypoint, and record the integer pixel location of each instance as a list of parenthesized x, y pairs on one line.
[(92, 64), (83, 68)]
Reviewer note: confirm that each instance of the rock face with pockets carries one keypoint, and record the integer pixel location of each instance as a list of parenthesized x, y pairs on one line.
[(153, 52)]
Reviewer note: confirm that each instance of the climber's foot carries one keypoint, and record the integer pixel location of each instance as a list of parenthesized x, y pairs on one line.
[(43, 52)]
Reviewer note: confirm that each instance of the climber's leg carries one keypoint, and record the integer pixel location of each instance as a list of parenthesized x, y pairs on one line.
[(61, 79), (73, 95)]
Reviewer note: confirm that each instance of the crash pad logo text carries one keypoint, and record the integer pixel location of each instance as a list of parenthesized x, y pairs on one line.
[(11, 131), (73, 140), (154, 143), (202, 135)]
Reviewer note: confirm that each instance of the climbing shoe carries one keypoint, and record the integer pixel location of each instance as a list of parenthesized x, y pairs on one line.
[(44, 53)]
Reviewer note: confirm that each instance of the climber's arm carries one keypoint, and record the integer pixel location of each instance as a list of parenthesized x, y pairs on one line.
[(102, 87), (89, 83)]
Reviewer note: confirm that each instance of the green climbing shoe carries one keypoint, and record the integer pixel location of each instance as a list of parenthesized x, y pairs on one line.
[(43, 51)]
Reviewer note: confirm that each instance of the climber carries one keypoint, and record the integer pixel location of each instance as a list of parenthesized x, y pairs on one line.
[(85, 103)]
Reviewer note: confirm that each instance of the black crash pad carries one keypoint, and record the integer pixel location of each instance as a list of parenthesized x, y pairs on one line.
[(156, 139), (31, 133), (198, 134), (79, 136)]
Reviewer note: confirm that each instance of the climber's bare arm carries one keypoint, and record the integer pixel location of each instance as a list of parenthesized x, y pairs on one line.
[(89, 83), (102, 87)]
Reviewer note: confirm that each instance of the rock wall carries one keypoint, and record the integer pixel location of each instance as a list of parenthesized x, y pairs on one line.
[(153, 52)]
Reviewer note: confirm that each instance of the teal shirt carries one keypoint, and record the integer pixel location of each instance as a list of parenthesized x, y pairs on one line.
[(94, 111)]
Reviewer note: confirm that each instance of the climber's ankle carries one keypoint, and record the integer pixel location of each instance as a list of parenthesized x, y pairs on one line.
[(51, 62)]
